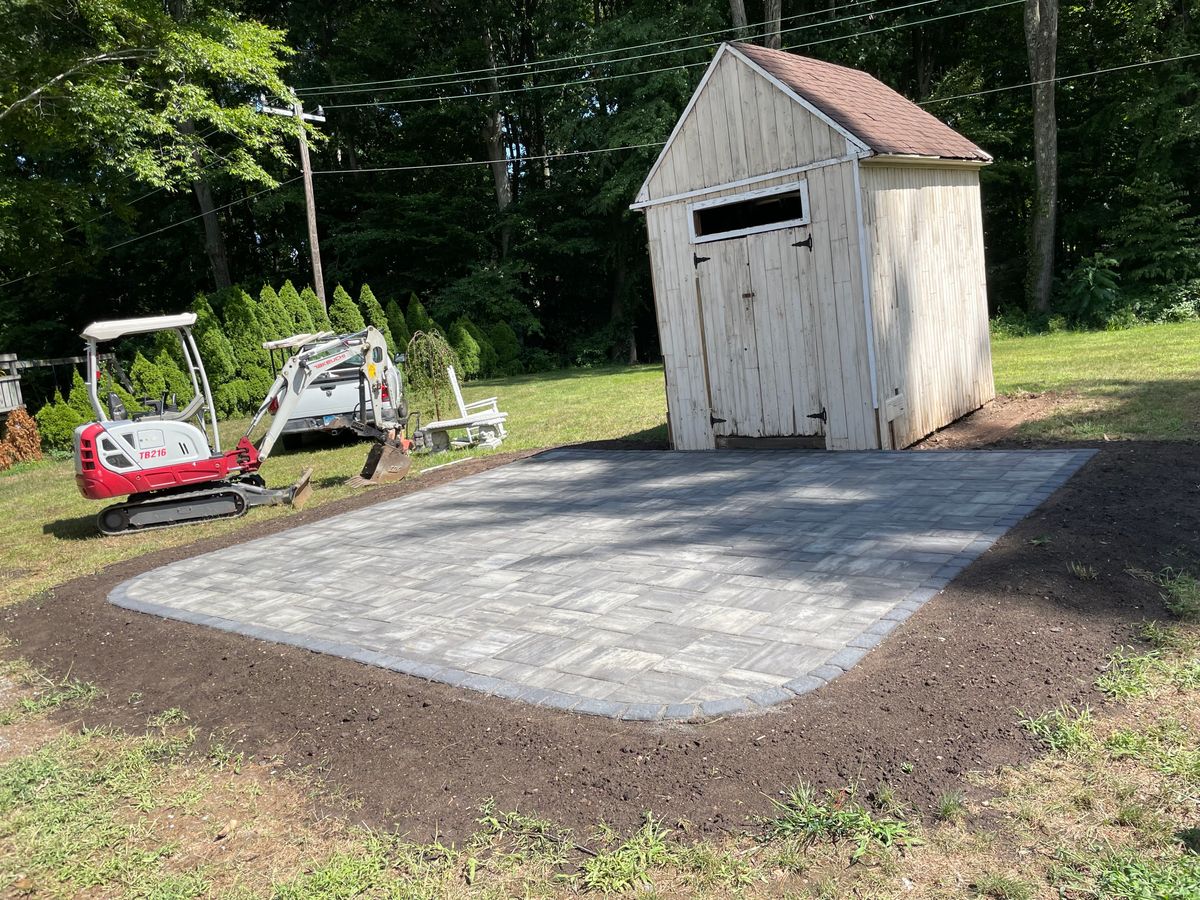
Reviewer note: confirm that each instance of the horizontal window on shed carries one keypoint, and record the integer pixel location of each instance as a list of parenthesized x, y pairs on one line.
[(732, 217)]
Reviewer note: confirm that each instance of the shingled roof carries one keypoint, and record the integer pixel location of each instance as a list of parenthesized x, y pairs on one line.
[(884, 120)]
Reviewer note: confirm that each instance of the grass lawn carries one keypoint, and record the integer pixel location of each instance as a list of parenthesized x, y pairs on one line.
[(1139, 383)]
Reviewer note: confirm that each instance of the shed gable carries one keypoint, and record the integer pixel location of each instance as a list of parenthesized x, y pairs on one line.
[(740, 124)]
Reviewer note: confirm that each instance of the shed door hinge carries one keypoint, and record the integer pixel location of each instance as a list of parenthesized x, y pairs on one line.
[(807, 242), (819, 415), (713, 420), (696, 259)]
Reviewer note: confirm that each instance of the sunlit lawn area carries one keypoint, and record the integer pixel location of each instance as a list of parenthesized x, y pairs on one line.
[(1139, 383)]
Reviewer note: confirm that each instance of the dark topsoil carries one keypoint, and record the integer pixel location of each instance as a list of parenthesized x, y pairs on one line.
[(1016, 631)]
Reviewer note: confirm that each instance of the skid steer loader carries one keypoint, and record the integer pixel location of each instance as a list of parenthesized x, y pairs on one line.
[(168, 463)]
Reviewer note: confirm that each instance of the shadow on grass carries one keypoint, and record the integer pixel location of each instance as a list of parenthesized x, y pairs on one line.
[(1166, 410), (77, 529), (647, 439)]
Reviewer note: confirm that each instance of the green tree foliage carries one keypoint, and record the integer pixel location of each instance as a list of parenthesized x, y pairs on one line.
[(344, 314), (1156, 240), (419, 320), (373, 313), (299, 317), (245, 335), (489, 361), (316, 312), (553, 249), (465, 348), (272, 315), (101, 98), (508, 349), (397, 325), (231, 393), (57, 421)]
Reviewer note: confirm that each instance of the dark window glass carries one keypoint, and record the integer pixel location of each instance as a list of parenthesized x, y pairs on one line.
[(752, 213)]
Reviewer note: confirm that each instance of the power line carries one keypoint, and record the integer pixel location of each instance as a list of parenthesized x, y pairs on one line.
[(542, 87), (333, 88), (704, 46), (105, 215), (484, 162), (167, 227), (1013, 87)]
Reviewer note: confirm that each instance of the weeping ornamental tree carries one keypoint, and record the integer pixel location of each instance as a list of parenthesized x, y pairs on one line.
[(426, 370)]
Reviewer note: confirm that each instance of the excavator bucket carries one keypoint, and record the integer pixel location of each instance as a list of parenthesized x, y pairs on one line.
[(387, 462), (302, 489)]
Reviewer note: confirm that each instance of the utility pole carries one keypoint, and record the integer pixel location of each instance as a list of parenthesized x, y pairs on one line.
[(296, 111)]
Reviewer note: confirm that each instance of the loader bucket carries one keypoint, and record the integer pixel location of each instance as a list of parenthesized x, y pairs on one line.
[(302, 489), (387, 462)]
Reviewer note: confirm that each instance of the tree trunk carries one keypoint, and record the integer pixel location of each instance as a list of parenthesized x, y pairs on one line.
[(1041, 41), (214, 240), (737, 13), (493, 136), (773, 10)]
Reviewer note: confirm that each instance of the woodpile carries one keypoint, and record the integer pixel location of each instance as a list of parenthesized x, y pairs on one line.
[(19, 439)]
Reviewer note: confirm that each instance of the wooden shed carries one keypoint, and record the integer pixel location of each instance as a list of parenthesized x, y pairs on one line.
[(817, 252)]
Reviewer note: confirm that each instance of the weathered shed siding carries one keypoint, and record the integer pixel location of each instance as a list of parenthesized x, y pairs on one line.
[(740, 126), (929, 295)]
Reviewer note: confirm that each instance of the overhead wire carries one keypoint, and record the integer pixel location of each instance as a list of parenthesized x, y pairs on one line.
[(577, 153), (605, 62), (490, 70), (598, 78)]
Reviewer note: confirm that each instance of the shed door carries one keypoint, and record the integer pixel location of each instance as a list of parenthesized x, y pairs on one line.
[(758, 311), (726, 297), (785, 318)]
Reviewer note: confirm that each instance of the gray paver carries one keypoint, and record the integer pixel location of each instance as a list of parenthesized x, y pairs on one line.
[(630, 584)]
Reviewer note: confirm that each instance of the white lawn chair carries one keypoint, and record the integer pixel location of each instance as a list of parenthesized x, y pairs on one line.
[(482, 422)]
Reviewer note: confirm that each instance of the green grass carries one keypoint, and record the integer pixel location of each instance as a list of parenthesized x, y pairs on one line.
[(801, 817), (48, 533), (1139, 383), (1062, 730)]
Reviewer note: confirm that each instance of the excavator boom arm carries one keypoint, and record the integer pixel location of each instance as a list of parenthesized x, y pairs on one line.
[(378, 371)]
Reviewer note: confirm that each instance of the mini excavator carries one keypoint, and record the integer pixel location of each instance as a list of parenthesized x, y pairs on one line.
[(167, 462)]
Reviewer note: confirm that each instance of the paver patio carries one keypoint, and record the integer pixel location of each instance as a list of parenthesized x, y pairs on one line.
[(634, 584)]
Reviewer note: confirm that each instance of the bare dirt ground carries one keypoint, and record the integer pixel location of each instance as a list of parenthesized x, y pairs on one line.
[(1016, 631), (995, 423)]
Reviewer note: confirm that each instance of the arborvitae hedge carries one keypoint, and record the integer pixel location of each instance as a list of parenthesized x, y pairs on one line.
[(420, 320), (231, 394), (374, 315), (245, 335), (274, 319), (489, 362), (508, 350), (316, 312), (299, 317), (466, 349), (397, 326), (344, 314)]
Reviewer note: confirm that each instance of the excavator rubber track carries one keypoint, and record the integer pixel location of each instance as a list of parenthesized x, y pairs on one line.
[(219, 500)]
